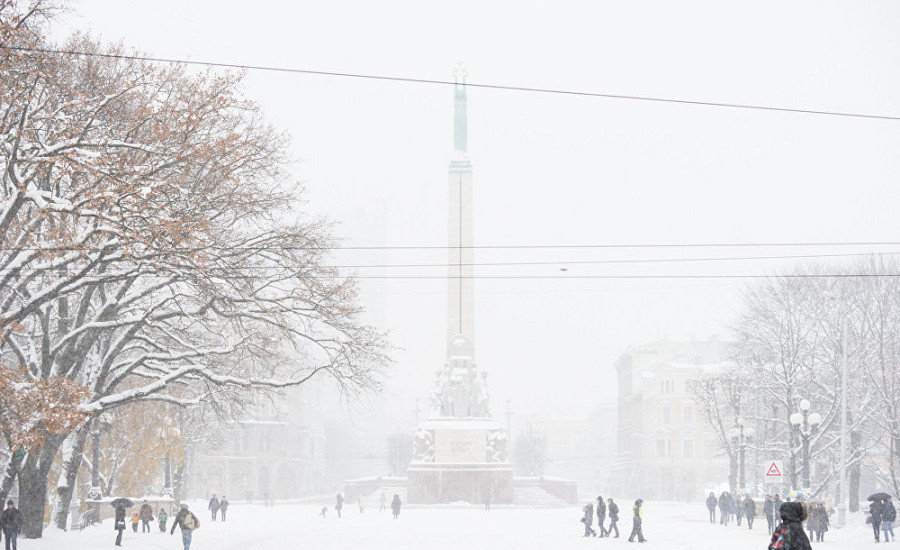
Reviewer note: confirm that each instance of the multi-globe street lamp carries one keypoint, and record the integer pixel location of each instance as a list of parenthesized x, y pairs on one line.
[(806, 424)]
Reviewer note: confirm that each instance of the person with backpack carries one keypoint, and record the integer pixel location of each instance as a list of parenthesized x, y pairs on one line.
[(888, 515), (163, 518), (789, 535), (395, 506), (601, 516), (188, 523), (119, 524), (637, 529), (749, 506), (711, 506), (223, 506), (213, 506), (588, 520), (146, 515), (613, 510)]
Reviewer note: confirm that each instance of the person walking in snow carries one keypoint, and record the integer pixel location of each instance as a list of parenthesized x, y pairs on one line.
[(163, 518), (146, 515), (135, 520), (637, 525), (769, 511), (10, 524), (395, 506), (382, 501), (888, 515), (812, 524), (588, 520), (739, 509), (223, 507), (711, 506), (790, 533), (875, 515), (338, 504), (749, 511), (188, 523), (601, 516), (213, 506), (119, 524), (613, 510), (723, 508)]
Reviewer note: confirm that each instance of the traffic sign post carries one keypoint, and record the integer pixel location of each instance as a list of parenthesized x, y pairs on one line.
[(773, 471)]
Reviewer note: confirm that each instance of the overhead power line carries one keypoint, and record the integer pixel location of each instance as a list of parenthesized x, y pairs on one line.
[(557, 91)]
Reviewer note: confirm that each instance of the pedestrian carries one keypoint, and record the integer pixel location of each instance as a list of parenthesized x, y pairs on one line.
[(324, 512), (875, 517), (723, 508), (395, 505), (613, 509), (362, 504), (711, 506), (739, 509), (11, 524), (601, 516), (249, 497), (163, 518), (790, 533), (888, 515), (749, 511), (188, 523), (730, 507), (135, 519), (812, 524), (119, 524), (636, 529), (769, 511), (778, 503), (824, 521), (382, 501), (223, 507), (146, 515), (213, 506), (588, 520), (338, 504)]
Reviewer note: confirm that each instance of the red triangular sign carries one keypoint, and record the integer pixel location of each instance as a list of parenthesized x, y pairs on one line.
[(774, 471)]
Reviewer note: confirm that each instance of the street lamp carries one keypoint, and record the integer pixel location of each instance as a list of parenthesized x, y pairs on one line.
[(744, 436), (806, 424)]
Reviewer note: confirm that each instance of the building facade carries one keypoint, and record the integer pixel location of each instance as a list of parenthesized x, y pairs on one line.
[(276, 452), (666, 451)]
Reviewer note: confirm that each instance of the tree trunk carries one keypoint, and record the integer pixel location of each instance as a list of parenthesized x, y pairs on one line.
[(13, 463), (33, 486), (732, 472), (68, 477)]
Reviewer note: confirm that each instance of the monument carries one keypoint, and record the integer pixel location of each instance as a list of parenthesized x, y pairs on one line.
[(460, 453)]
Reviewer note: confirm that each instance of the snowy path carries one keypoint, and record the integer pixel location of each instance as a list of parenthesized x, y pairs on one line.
[(666, 525)]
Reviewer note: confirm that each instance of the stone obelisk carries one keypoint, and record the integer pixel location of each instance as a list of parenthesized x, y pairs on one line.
[(460, 283)]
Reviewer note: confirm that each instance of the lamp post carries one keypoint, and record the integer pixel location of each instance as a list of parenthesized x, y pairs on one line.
[(842, 492), (806, 424), (745, 435), (95, 493)]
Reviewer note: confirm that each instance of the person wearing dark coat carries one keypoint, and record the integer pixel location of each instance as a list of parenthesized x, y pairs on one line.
[(739, 509), (888, 515), (188, 522), (223, 506), (875, 515), (11, 523), (723, 508), (791, 527), (146, 515), (749, 511), (769, 511), (213, 507), (395, 506), (822, 523), (119, 524), (637, 525), (613, 510), (601, 516), (711, 505), (338, 504), (778, 503)]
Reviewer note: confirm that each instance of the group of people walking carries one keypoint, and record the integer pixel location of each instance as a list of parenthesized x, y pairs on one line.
[(184, 519), (732, 509), (611, 509), (396, 503), (882, 515), (218, 505)]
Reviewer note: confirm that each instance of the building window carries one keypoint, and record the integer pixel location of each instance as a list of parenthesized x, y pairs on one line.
[(667, 386), (709, 448), (689, 415), (660, 448), (667, 415), (688, 448)]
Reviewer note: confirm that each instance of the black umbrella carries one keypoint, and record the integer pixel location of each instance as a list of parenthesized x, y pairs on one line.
[(126, 502), (879, 496)]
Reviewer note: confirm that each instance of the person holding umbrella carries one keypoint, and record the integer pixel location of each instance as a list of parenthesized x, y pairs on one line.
[(120, 504), (875, 515)]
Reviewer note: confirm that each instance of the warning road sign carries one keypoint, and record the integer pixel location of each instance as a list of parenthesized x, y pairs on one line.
[(773, 471)]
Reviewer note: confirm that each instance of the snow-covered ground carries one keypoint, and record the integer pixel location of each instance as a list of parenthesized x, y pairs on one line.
[(286, 526)]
